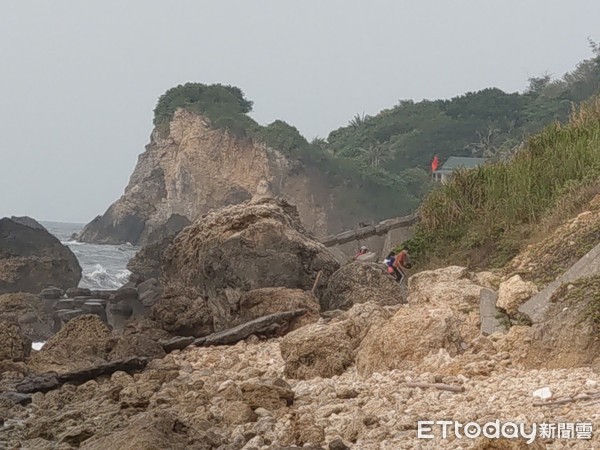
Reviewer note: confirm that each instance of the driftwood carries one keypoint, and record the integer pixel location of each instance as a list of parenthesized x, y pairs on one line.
[(591, 396), (262, 325), (49, 381), (177, 343), (317, 279), (440, 386)]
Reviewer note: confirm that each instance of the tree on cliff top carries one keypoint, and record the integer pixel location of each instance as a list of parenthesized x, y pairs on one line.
[(222, 104)]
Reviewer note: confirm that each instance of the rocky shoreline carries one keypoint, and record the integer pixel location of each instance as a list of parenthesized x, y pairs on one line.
[(251, 336)]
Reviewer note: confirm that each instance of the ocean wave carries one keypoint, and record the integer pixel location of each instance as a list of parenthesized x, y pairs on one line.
[(71, 243), (100, 278)]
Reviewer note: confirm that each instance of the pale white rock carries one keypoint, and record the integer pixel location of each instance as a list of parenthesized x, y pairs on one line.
[(514, 292), (543, 393)]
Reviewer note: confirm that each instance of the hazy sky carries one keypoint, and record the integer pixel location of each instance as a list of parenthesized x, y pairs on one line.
[(79, 79)]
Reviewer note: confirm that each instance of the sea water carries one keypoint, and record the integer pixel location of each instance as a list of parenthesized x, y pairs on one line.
[(103, 266)]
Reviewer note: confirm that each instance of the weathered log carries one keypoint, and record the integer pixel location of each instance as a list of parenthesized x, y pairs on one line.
[(177, 343), (316, 283), (262, 325), (49, 381), (440, 386)]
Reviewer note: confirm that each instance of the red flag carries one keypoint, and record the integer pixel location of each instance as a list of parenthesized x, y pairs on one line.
[(435, 163)]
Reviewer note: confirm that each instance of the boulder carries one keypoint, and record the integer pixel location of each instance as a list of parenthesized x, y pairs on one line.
[(244, 247), (407, 338), (31, 258), (514, 292), (451, 289), (80, 344), (124, 293), (28, 310), (265, 301), (326, 349), (360, 282), (14, 346), (183, 313), (149, 291)]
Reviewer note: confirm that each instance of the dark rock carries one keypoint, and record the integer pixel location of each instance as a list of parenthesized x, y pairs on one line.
[(28, 222), (267, 325), (150, 284), (102, 230), (147, 261), (51, 293), (40, 383), (174, 224), (136, 278), (105, 295), (149, 298), (31, 258), (78, 292), (177, 343), (47, 382), (117, 315), (124, 293), (79, 301), (96, 307), (69, 314), (338, 444), (65, 303)]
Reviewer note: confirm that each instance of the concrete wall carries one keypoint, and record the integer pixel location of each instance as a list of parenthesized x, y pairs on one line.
[(587, 266), (379, 238)]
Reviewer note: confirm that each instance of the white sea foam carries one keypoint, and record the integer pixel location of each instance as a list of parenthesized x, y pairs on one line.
[(72, 243), (100, 278)]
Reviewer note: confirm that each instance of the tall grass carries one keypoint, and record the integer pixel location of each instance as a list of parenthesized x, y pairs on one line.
[(484, 207)]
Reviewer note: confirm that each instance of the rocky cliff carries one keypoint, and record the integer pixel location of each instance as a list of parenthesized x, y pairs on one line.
[(196, 168)]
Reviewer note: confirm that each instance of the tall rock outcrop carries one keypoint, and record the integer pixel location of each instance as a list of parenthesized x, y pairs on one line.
[(196, 168), (31, 258), (244, 248)]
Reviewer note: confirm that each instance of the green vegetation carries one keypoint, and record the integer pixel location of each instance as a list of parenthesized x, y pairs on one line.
[(225, 106), (378, 166), (583, 292), (484, 214)]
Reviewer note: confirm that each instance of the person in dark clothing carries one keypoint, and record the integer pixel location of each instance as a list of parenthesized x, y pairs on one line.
[(390, 262)]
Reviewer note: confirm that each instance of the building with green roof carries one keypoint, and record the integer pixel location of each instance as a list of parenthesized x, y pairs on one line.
[(453, 163)]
